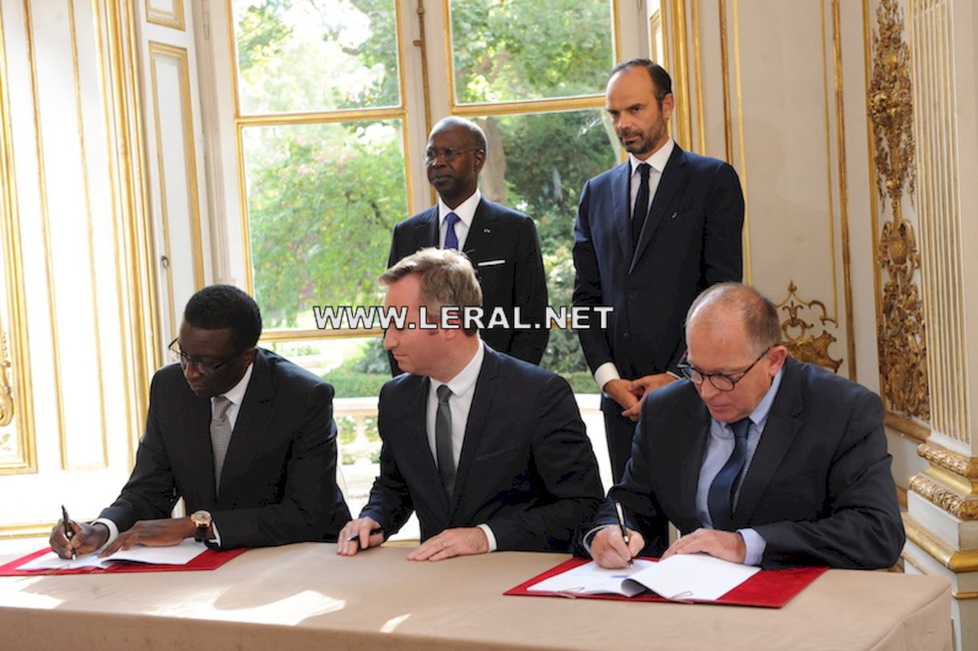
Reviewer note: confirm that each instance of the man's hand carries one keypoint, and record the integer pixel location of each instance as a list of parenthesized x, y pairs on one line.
[(728, 545), (618, 390), (642, 386), (356, 535), (87, 538), (153, 533), (452, 542), (608, 548)]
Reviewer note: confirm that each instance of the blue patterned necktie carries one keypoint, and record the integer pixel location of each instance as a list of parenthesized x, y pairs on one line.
[(451, 239), (721, 496)]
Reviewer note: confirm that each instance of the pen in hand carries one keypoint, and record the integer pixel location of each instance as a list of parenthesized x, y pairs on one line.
[(621, 525), (69, 533), (373, 532)]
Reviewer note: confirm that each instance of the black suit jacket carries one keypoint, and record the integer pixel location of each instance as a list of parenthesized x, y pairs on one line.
[(691, 240), (818, 489), (526, 467), (503, 247), (278, 484)]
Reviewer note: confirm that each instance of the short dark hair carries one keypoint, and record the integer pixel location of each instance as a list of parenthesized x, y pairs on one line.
[(225, 306), (661, 81)]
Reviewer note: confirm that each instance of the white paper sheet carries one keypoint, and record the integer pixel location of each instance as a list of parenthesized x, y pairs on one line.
[(175, 555), (683, 576), (694, 576)]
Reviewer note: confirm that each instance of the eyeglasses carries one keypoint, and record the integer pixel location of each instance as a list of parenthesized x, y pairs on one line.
[(447, 155), (720, 381), (207, 368)]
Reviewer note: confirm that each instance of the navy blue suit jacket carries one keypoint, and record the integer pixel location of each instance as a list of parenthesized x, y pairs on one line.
[(691, 240), (818, 489), (505, 251), (526, 467), (278, 484)]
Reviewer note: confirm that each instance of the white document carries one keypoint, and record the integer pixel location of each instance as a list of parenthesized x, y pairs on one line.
[(180, 554), (683, 576)]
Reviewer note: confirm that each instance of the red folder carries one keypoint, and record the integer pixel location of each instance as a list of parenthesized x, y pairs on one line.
[(766, 589), (210, 559)]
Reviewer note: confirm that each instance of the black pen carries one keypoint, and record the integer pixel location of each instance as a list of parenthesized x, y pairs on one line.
[(373, 532), (69, 534), (621, 525)]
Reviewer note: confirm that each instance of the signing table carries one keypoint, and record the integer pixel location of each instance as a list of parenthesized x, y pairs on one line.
[(305, 597)]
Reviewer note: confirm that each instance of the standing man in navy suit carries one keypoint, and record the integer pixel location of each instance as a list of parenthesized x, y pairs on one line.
[(490, 451), (651, 234), (501, 243), (245, 437)]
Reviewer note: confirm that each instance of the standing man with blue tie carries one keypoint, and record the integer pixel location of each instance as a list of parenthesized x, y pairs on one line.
[(501, 243), (650, 235)]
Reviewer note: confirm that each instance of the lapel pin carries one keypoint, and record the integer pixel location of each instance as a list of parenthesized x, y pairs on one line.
[(486, 230)]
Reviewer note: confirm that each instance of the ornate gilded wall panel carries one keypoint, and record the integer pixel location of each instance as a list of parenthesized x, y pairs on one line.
[(901, 335), (799, 330)]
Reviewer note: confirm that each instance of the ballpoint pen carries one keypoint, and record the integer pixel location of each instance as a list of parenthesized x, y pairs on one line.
[(373, 532), (621, 525), (69, 534)]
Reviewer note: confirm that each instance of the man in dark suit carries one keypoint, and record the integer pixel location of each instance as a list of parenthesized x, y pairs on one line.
[(245, 437), (648, 263), (758, 458), (501, 243), (490, 451)]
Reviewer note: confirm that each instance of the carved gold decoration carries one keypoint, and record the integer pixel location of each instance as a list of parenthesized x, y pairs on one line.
[(947, 500), (803, 346), (901, 332), (6, 389), (966, 467)]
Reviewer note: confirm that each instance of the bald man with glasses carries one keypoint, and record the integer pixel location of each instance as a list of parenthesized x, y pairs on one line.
[(756, 458), (245, 437)]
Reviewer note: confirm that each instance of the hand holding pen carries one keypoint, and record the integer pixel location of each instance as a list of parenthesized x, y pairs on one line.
[(621, 525), (69, 532)]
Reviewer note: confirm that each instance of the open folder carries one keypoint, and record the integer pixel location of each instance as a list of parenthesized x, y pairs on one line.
[(188, 555), (690, 578)]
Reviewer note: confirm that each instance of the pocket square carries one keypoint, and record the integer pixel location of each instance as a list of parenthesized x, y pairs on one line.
[(490, 263)]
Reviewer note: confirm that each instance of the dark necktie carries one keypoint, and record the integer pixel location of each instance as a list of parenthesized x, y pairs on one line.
[(451, 239), (721, 495), (641, 203), (220, 436), (443, 440)]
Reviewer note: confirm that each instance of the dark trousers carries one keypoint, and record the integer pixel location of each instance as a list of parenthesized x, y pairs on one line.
[(619, 432)]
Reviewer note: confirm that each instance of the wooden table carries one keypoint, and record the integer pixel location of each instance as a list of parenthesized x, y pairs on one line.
[(305, 597)]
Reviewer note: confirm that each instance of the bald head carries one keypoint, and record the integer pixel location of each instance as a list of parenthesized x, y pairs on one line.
[(734, 306)]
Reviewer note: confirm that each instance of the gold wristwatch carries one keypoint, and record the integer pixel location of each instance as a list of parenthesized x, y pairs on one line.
[(203, 521)]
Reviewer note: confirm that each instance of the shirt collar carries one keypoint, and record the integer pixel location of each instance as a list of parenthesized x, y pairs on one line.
[(763, 408), (657, 160), (465, 210), (236, 393), (464, 381)]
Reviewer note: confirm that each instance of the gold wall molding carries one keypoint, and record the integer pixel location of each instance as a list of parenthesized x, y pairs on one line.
[(966, 467), (6, 389), (803, 344), (166, 17), (947, 500), (956, 561), (901, 332)]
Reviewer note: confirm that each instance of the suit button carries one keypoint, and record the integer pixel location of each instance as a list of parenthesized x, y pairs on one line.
[(626, 336), (632, 296)]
